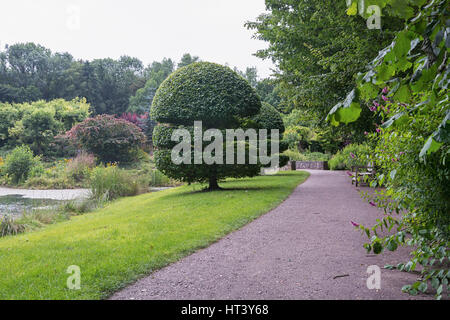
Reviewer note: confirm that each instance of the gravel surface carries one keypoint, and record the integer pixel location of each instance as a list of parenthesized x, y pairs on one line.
[(304, 249)]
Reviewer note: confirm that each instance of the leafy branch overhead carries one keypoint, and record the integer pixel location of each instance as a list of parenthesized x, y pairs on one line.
[(414, 67)]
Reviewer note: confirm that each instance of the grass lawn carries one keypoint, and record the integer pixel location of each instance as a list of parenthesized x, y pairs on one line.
[(132, 237)]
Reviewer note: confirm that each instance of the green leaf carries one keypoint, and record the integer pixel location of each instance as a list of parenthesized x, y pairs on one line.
[(442, 134), (409, 266), (392, 120), (403, 64), (393, 173), (430, 146), (353, 10), (377, 248), (368, 91), (385, 72), (406, 288), (381, 55), (442, 80), (418, 3), (423, 287), (401, 9), (403, 94), (392, 245), (345, 112), (402, 44), (439, 290), (423, 77)]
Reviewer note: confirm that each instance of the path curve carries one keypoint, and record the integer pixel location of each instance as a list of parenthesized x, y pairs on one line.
[(304, 249)]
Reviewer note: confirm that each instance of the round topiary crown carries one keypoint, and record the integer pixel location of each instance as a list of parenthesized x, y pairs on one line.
[(207, 92)]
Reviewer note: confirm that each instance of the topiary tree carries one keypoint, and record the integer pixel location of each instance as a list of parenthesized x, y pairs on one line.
[(108, 138), (269, 118), (220, 99)]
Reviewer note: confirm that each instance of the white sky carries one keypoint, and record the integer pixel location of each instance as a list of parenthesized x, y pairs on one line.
[(147, 29)]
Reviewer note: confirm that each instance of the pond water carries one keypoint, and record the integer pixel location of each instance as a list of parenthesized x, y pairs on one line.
[(16, 205), (15, 202)]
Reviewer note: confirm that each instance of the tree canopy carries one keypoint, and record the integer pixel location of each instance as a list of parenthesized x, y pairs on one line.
[(318, 48), (31, 72)]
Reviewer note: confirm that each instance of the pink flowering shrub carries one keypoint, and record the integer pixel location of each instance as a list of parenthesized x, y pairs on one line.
[(351, 155), (108, 138)]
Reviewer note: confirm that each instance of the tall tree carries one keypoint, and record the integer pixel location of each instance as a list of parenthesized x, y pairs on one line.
[(267, 89), (112, 83), (29, 72), (187, 59), (154, 74), (250, 74), (318, 51)]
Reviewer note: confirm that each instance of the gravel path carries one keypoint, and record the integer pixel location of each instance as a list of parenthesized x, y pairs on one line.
[(47, 194), (304, 249)]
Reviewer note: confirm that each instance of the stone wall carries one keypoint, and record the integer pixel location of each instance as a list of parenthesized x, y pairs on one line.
[(311, 165)]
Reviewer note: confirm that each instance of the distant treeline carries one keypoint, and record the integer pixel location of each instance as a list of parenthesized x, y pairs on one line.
[(30, 72)]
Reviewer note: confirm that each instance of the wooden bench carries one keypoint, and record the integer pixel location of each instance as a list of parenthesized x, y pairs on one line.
[(364, 173)]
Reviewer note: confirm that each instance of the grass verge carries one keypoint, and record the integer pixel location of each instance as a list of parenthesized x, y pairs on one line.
[(132, 237)]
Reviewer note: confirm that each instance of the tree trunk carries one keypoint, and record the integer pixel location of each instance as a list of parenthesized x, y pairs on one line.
[(213, 185)]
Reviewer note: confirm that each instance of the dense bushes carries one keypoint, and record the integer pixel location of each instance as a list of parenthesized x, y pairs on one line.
[(157, 179), (111, 182), (417, 185), (352, 155), (306, 156), (62, 174), (8, 117), (144, 122), (36, 124), (108, 138), (19, 164), (77, 172), (79, 168), (299, 138), (269, 118)]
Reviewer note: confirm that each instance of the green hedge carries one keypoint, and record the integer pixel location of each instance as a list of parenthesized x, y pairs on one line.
[(352, 155), (269, 118)]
